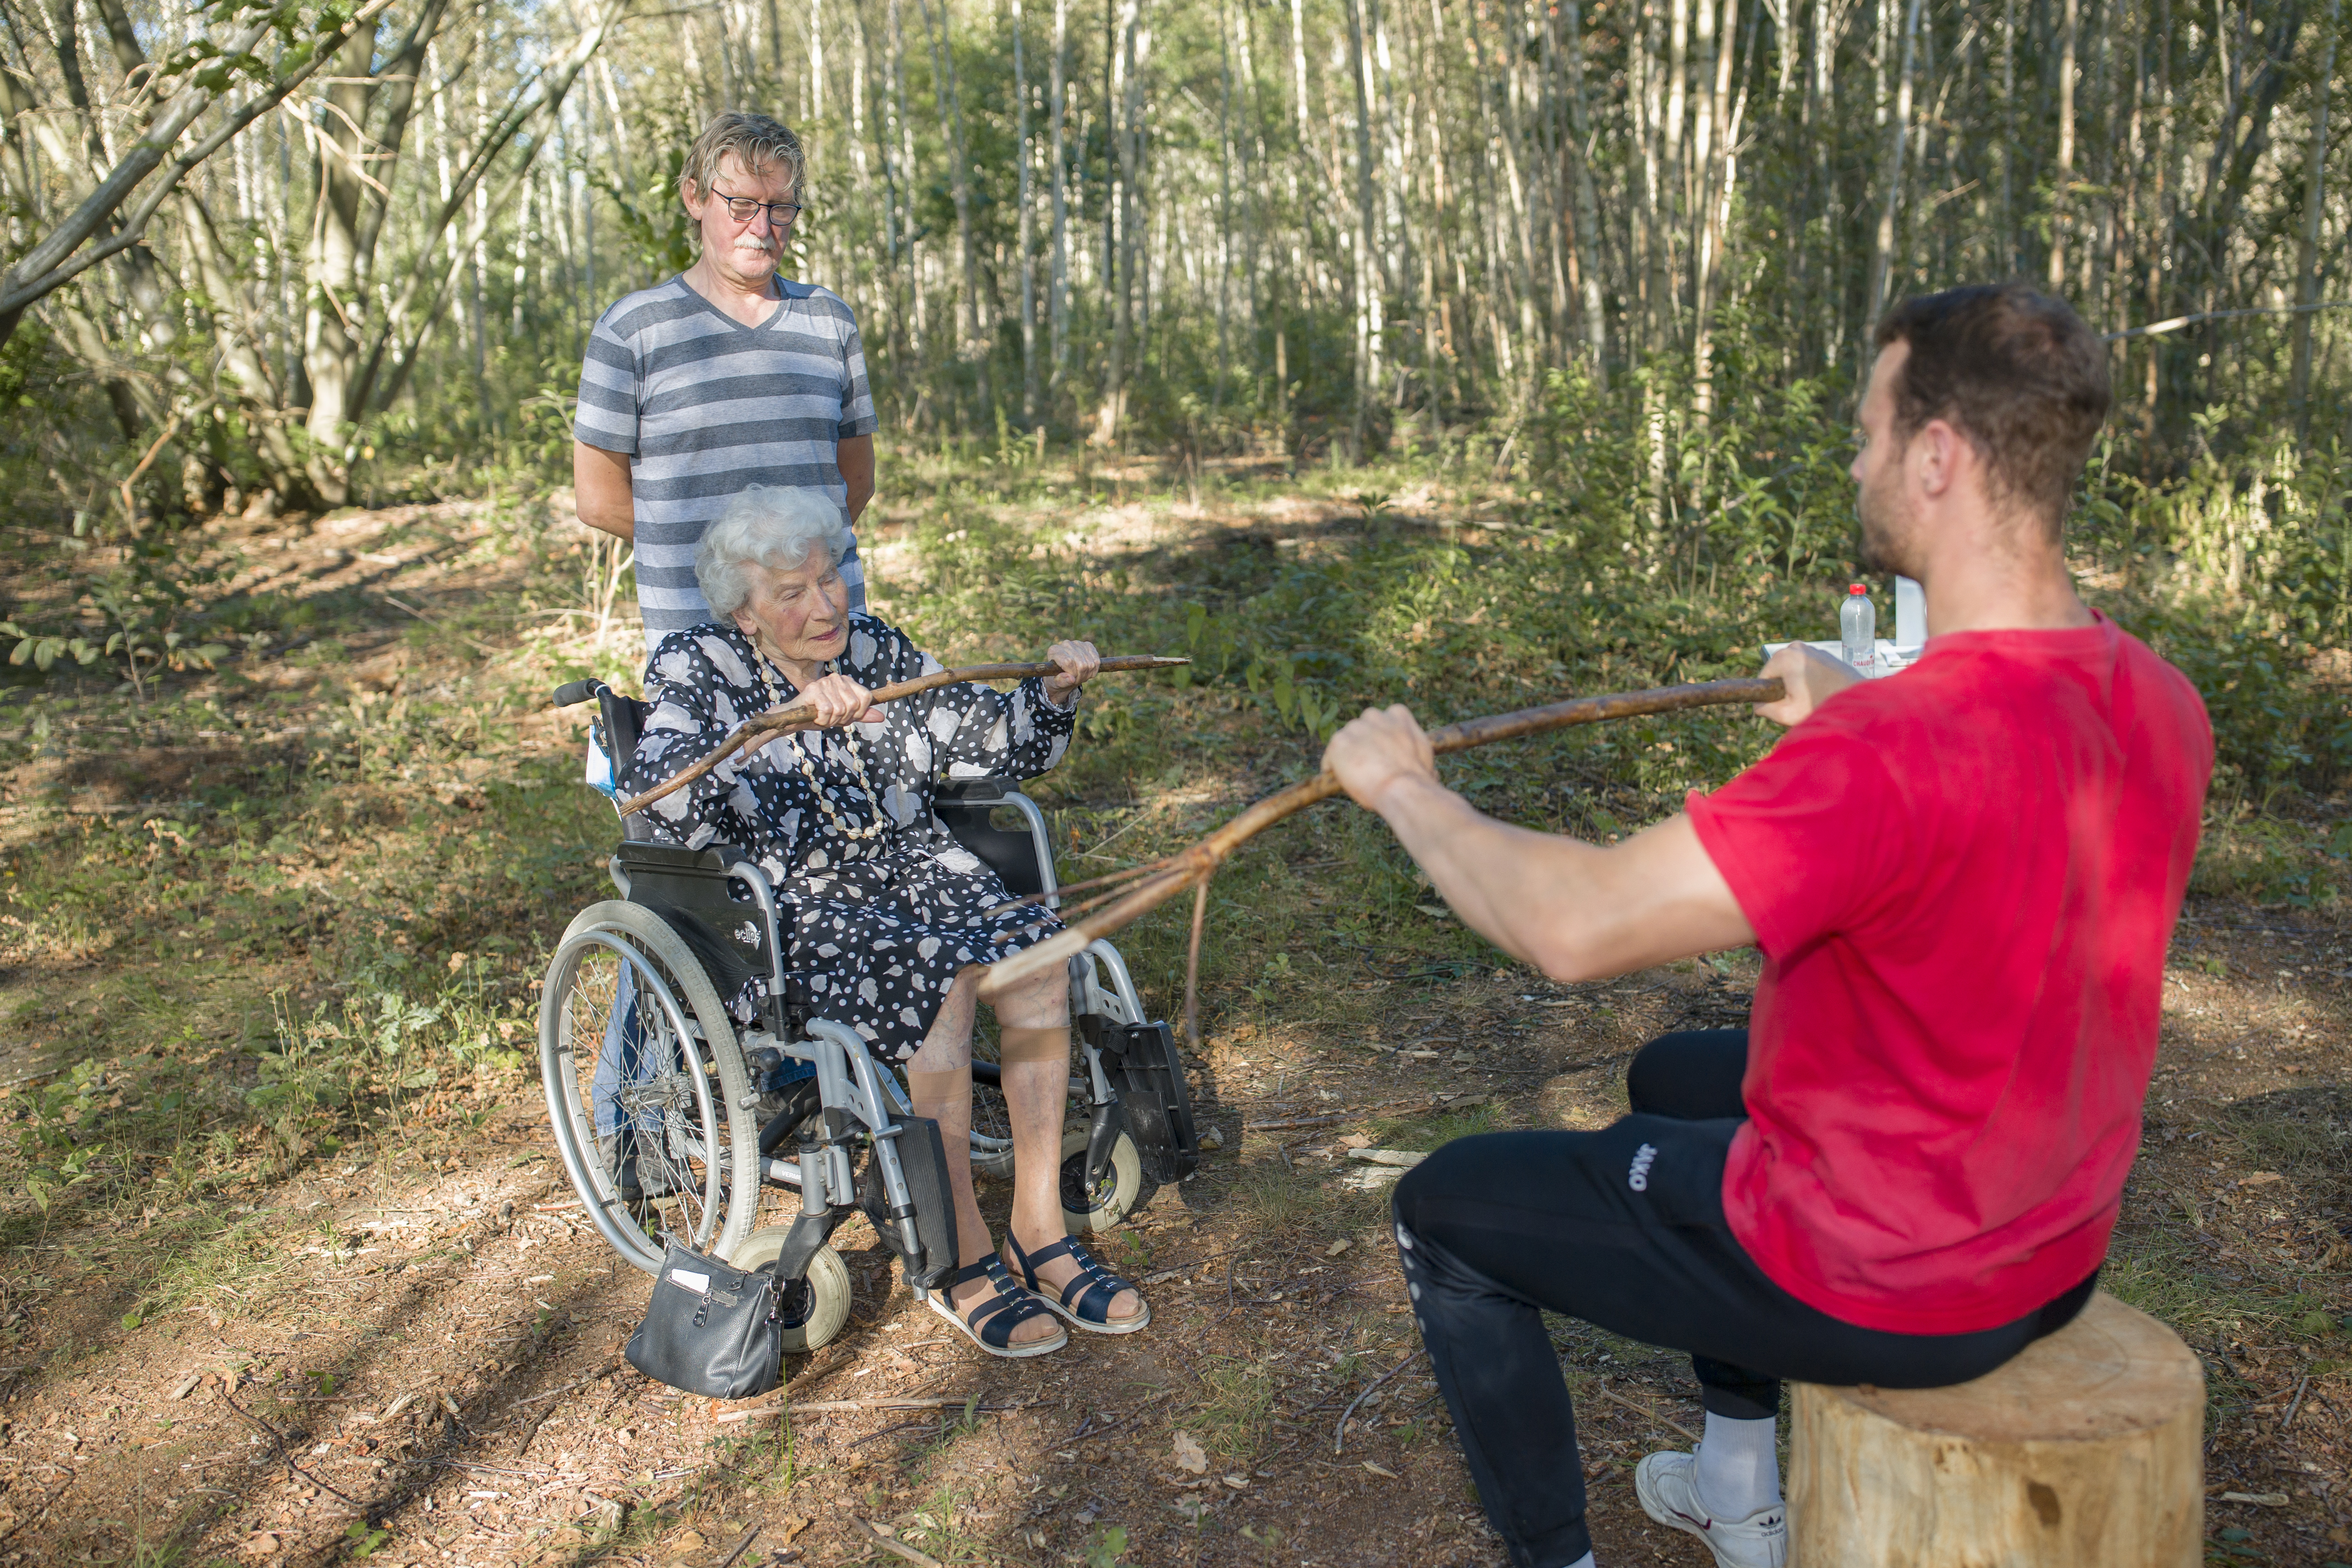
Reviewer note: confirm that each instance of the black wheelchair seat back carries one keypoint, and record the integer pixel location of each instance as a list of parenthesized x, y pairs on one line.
[(623, 718), (715, 902), (1003, 826)]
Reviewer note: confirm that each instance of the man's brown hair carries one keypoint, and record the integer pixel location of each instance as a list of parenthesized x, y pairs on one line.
[(2014, 370)]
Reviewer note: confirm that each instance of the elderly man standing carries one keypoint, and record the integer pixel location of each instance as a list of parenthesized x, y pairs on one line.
[(725, 376), (1962, 880)]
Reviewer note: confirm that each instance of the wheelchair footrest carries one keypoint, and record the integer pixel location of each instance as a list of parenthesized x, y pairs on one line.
[(923, 1162), (1143, 1065)]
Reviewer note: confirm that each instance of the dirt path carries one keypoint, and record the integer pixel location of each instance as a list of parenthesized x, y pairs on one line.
[(402, 1343)]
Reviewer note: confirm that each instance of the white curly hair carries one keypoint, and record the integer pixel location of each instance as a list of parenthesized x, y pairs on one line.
[(767, 524)]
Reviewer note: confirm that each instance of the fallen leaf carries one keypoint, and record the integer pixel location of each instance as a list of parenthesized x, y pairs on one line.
[(689, 1541), (2259, 1499), (792, 1527), (1239, 1483), (1357, 1141), (2261, 1178), (1190, 1455), (1380, 1471), (1338, 1247)]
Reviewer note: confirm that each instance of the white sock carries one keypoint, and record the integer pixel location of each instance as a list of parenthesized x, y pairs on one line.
[(1738, 1468), (1583, 1561)]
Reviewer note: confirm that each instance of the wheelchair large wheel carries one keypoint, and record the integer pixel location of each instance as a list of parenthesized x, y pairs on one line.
[(813, 1311), (646, 1088)]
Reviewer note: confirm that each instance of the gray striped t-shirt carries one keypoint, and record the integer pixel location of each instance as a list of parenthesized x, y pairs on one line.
[(704, 405)]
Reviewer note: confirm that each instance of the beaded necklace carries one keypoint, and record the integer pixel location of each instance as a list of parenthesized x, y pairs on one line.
[(842, 825)]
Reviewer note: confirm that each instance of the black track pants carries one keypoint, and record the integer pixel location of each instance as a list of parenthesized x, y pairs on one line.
[(1623, 1227)]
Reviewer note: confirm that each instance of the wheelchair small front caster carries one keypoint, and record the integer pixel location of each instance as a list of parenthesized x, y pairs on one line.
[(1112, 1197), (816, 1308)]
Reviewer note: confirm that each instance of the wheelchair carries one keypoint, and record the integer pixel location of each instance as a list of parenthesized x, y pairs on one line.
[(674, 1118)]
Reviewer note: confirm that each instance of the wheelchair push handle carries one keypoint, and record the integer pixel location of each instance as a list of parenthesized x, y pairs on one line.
[(572, 693)]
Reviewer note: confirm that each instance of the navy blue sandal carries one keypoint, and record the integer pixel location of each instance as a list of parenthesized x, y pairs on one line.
[(1085, 1300), (993, 1317)]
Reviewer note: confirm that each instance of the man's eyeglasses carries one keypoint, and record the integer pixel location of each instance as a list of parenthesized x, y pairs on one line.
[(781, 214)]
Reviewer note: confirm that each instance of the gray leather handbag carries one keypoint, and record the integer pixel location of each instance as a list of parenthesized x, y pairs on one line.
[(710, 1329)]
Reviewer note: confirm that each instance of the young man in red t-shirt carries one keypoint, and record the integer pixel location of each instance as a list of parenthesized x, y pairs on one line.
[(1962, 881)]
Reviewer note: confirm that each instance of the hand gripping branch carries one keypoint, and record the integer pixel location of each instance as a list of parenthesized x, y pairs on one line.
[(1144, 888), (793, 717)]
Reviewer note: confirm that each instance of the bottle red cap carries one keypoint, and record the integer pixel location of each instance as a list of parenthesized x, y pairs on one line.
[(1857, 588)]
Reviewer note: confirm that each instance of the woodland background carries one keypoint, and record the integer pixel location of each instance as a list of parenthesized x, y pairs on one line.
[(1606, 265), (1463, 353)]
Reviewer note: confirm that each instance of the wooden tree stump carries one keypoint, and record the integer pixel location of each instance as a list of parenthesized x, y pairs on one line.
[(2085, 1451)]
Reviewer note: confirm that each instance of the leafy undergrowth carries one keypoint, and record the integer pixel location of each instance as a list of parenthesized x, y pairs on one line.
[(291, 1274)]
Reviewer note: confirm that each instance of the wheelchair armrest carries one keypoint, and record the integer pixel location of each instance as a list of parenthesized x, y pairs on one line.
[(977, 792)]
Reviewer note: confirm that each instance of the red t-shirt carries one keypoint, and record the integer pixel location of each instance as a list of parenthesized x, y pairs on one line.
[(1963, 880)]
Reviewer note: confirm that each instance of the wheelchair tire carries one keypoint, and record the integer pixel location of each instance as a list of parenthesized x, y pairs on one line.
[(690, 1163), (1119, 1194), (814, 1311)]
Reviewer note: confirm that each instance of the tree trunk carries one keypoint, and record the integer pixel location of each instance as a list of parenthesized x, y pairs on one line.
[(1120, 215), (1057, 109), (1587, 201), (2315, 212), (335, 324), (950, 110), (1368, 288), (2083, 1452), (1023, 153), (2069, 38), (1882, 249)]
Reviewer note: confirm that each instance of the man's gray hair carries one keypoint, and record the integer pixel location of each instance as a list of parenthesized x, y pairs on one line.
[(767, 524), (756, 141)]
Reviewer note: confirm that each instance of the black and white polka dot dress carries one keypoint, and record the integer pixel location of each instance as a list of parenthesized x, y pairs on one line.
[(886, 906)]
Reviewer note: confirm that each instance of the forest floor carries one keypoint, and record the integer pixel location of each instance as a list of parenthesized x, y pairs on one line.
[(284, 1286)]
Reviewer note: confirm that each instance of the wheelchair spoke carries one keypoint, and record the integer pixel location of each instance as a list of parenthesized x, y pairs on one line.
[(643, 1075)]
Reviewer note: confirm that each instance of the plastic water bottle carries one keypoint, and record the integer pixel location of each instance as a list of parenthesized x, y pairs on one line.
[(1858, 628)]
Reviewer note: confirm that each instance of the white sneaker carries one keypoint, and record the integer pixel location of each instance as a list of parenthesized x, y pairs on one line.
[(1667, 1485)]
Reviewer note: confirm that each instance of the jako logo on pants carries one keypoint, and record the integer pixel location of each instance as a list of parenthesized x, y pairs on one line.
[(1638, 1178)]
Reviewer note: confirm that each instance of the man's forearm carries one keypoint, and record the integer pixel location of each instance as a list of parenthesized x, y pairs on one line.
[(1482, 867), (1574, 911), (602, 491), (855, 457)]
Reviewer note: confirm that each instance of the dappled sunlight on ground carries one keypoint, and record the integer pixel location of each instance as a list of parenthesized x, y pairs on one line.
[(293, 1275)]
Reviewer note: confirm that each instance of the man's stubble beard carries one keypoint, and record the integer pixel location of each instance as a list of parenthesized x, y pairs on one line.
[(1887, 542)]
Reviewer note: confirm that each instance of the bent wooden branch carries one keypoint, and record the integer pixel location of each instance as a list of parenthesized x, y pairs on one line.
[(1148, 886), (793, 717)]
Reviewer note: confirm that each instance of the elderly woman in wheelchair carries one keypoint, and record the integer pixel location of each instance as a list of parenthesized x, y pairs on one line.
[(884, 923)]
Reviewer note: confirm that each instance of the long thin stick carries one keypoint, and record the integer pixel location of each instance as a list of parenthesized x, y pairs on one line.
[(792, 718), (1339, 1433), (1192, 967), (1162, 879)]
